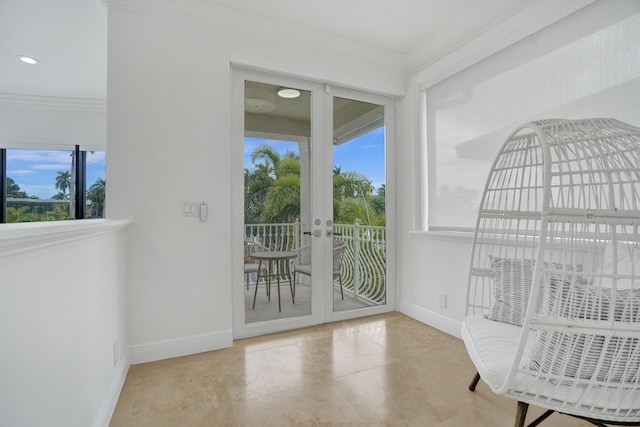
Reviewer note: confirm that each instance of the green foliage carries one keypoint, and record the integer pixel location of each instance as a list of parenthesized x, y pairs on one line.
[(283, 200), (96, 196), (20, 214), (272, 191), (56, 211), (13, 189)]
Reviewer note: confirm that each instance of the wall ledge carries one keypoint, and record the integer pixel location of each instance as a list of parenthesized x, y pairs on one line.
[(23, 237), (460, 236)]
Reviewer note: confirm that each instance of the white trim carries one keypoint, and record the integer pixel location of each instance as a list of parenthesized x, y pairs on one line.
[(165, 349), (524, 23), (431, 318), (113, 394), (456, 236), (16, 238), (53, 103)]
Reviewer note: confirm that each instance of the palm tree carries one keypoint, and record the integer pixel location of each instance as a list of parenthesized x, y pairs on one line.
[(63, 181), (378, 202), (95, 195), (256, 185), (272, 190), (267, 153)]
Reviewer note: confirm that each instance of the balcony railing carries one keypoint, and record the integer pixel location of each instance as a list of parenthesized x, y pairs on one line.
[(364, 263)]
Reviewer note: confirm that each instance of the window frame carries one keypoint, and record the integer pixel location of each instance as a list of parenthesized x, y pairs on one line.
[(80, 196)]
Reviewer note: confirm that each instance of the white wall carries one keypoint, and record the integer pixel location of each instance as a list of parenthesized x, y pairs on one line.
[(432, 263), (62, 310), (169, 141), (429, 264)]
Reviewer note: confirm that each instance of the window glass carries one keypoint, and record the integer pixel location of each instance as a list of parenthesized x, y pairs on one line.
[(95, 184), (587, 65), (39, 185)]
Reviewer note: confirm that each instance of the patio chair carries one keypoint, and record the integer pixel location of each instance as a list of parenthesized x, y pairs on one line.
[(302, 263), (250, 266)]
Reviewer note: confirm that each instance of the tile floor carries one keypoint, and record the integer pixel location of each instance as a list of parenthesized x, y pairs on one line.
[(385, 370)]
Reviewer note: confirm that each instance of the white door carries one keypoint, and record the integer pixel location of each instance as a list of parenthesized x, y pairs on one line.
[(311, 242)]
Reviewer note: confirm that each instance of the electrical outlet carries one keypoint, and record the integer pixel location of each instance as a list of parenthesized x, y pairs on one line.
[(443, 301)]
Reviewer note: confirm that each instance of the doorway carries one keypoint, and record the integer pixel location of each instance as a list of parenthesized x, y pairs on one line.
[(311, 216)]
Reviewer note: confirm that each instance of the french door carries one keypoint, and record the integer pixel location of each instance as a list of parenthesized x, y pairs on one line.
[(310, 205)]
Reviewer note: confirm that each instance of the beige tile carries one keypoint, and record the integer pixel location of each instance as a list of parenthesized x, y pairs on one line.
[(385, 370)]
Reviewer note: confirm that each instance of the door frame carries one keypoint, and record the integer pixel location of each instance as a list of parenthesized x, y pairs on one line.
[(322, 130)]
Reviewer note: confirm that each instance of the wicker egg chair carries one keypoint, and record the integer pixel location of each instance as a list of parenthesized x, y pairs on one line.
[(553, 298)]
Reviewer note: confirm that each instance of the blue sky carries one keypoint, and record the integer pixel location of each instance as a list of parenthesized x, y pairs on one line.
[(364, 154), (35, 171)]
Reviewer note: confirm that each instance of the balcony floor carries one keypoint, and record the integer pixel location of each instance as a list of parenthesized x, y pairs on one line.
[(268, 310)]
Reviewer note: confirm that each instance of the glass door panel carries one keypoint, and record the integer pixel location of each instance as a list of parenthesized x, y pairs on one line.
[(359, 216), (314, 194), (277, 139)]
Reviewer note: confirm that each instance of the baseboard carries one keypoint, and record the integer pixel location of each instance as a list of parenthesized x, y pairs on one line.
[(149, 352), (431, 318), (109, 403)]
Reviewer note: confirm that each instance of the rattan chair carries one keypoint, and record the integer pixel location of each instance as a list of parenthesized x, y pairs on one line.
[(302, 263), (553, 299)]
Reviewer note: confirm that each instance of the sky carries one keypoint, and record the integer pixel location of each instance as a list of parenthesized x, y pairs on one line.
[(364, 154), (35, 171)]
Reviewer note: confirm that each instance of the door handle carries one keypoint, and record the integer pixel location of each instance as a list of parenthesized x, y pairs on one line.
[(316, 233), (308, 233)]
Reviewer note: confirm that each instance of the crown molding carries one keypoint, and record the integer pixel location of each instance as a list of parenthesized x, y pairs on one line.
[(430, 64), (53, 103), (213, 16)]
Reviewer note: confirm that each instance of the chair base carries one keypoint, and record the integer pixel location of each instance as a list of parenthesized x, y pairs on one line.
[(521, 413)]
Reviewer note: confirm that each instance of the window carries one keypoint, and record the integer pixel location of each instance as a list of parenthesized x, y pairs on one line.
[(51, 185), (586, 65)]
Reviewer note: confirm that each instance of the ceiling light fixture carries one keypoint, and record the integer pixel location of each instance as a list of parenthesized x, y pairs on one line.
[(28, 60), (258, 105), (284, 92)]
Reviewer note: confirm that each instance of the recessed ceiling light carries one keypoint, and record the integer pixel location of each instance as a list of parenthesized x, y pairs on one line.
[(284, 92), (28, 60), (259, 105)]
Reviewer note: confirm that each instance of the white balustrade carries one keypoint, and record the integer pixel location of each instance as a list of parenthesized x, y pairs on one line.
[(364, 263)]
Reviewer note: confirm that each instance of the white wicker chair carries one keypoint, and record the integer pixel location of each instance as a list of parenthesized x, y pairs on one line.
[(553, 300)]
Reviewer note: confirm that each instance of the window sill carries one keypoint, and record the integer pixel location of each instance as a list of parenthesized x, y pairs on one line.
[(459, 236), (27, 236)]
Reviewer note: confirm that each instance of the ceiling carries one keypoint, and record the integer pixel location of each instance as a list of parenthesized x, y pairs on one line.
[(69, 36), (395, 25), (292, 116)]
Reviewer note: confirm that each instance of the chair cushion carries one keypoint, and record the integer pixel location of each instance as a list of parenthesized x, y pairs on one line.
[(511, 287), (575, 354), (492, 346), (512, 280)]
